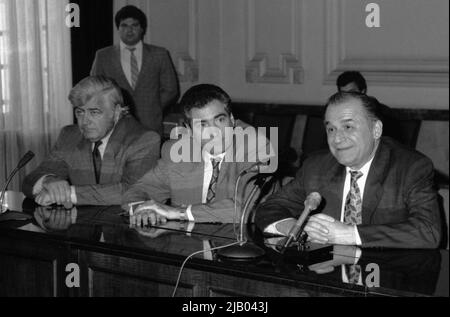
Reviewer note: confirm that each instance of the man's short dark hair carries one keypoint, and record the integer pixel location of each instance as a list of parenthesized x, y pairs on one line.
[(131, 12), (370, 104), (200, 95), (351, 77)]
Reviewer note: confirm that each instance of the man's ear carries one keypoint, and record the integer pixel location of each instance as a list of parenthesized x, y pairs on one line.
[(118, 112), (377, 129)]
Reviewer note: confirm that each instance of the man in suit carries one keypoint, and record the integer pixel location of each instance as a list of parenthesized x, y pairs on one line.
[(144, 71), (95, 162), (198, 172), (375, 192)]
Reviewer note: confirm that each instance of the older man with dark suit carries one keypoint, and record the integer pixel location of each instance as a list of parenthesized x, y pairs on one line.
[(95, 162), (145, 72), (199, 171), (376, 192)]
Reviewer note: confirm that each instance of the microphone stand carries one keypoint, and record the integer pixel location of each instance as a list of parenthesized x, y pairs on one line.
[(23, 161), (245, 250), (2, 196)]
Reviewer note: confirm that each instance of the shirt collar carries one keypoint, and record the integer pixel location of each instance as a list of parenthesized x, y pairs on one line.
[(364, 169), (207, 157), (138, 46), (106, 138)]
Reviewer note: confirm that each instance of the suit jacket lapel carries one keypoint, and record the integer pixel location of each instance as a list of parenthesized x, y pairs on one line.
[(117, 66), (332, 190), (373, 189), (112, 149), (85, 151), (146, 52)]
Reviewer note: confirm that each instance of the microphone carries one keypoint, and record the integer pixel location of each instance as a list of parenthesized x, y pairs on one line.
[(23, 161), (311, 203), (244, 251), (254, 168)]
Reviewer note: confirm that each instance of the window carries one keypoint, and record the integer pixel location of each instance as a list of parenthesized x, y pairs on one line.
[(3, 62)]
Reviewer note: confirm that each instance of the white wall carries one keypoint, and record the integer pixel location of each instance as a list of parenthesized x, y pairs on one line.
[(291, 51)]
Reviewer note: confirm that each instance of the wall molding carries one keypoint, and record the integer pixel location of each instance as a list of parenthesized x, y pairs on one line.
[(256, 68), (413, 72), (187, 61)]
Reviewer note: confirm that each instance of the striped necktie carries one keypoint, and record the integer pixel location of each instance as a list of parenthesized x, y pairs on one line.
[(134, 67), (213, 183), (353, 203)]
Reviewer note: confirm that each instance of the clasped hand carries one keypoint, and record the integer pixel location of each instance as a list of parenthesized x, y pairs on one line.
[(55, 219), (153, 213), (342, 254), (325, 229), (154, 232), (54, 191)]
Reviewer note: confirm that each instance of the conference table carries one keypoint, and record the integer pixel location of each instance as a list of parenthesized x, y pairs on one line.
[(93, 251)]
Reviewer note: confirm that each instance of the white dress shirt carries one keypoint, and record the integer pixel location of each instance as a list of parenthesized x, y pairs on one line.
[(125, 58), (361, 184), (207, 175)]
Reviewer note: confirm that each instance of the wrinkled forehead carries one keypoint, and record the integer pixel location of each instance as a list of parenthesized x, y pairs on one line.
[(349, 109), (101, 100)]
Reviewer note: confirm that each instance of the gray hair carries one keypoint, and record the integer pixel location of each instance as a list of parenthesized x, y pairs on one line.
[(93, 86)]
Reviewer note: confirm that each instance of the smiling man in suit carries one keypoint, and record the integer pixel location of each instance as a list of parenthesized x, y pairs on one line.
[(95, 161), (376, 192), (144, 71)]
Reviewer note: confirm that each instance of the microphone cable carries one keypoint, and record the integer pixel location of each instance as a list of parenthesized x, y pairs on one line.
[(195, 253)]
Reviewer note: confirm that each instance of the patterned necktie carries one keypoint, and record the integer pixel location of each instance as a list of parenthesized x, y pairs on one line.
[(353, 273), (353, 203), (213, 183), (134, 67), (97, 159)]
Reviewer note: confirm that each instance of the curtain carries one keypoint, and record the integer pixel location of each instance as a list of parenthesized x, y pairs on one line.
[(35, 66)]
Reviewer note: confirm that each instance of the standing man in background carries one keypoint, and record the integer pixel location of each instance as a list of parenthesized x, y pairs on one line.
[(144, 71)]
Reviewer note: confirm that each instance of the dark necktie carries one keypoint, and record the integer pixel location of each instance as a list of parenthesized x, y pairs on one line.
[(133, 67), (353, 203), (97, 159), (213, 183)]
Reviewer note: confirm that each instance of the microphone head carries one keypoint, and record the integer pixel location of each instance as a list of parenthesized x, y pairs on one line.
[(313, 201), (254, 168), (25, 159)]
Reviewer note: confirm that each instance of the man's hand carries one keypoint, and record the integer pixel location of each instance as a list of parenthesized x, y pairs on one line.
[(342, 254), (154, 213), (325, 229), (154, 232), (55, 219), (54, 190), (285, 226)]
